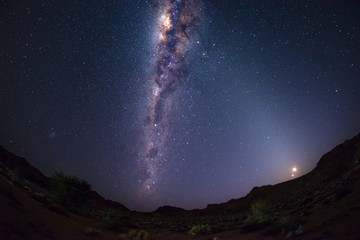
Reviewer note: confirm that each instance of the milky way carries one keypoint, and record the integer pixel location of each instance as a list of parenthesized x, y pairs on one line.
[(176, 24)]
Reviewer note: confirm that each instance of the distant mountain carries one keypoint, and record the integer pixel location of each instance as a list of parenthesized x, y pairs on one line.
[(170, 211)]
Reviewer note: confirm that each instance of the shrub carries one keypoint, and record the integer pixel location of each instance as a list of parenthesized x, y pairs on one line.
[(289, 223), (135, 235), (261, 211), (68, 190), (200, 229), (115, 218), (16, 174), (252, 225)]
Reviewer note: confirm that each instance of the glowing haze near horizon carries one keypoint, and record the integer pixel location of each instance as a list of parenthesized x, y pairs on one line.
[(180, 103)]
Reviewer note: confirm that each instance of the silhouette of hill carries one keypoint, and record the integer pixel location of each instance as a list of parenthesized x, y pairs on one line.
[(336, 172), (15, 163), (27, 172)]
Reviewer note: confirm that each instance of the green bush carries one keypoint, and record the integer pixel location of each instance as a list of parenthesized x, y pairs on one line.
[(261, 211), (200, 229), (69, 191)]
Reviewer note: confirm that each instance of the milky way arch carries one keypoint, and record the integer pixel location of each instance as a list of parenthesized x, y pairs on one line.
[(176, 24)]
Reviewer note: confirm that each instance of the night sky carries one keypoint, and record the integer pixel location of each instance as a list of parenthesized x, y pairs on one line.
[(181, 103)]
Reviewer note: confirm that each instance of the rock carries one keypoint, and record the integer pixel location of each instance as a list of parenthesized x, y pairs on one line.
[(290, 234), (299, 231)]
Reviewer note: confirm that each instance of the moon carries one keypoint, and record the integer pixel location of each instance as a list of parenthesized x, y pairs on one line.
[(294, 170)]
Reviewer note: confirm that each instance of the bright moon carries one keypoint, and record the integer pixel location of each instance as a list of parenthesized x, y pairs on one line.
[(294, 170)]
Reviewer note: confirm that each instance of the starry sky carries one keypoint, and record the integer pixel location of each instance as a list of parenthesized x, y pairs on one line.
[(257, 88)]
